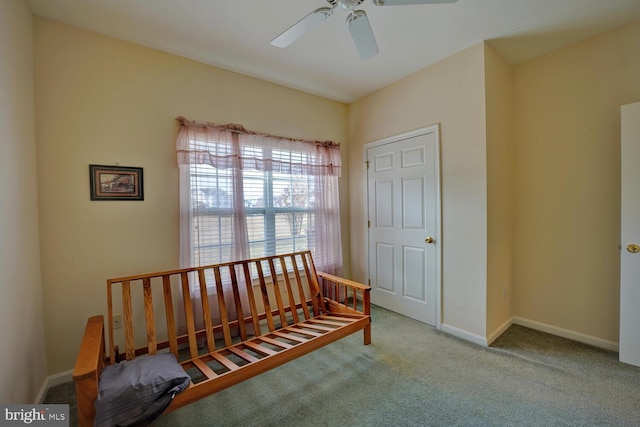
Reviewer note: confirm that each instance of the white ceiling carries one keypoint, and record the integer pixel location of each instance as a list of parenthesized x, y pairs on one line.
[(236, 34)]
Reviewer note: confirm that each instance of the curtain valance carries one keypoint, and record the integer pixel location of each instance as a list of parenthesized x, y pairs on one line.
[(232, 146)]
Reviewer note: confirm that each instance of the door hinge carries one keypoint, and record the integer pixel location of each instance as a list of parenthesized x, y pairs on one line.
[(368, 224), (367, 163)]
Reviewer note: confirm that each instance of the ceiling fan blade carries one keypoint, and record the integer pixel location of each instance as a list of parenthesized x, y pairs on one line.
[(405, 2), (302, 26), (362, 34)]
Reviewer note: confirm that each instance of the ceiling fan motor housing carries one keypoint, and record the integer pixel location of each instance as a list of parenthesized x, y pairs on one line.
[(345, 4)]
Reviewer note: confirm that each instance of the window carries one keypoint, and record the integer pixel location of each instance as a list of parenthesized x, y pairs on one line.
[(279, 213), (250, 195)]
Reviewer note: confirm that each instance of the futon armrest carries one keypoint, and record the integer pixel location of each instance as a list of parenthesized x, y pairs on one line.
[(90, 358), (336, 300), (342, 281), (89, 365)]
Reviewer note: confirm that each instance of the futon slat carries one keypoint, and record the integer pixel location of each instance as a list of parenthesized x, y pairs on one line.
[(204, 368), (315, 284), (168, 310), (287, 283), (206, 311), (225, 362), (259, 349), (265, 296), (246, 356), (238, 303), (290, 337), (188, 310), (336, 321), (149, 319), (303, 298), (255, 316), (316, 327), (127, 318), (112, 350), (343, 316), (298, 329), (224, 317), (314, 289), (275, 342), (326, 322), (346, 294), (276, 291)]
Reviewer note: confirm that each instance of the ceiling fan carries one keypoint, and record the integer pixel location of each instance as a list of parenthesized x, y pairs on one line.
[(357, 22)]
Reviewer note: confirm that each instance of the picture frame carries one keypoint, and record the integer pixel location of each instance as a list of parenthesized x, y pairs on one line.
[(115, 183)]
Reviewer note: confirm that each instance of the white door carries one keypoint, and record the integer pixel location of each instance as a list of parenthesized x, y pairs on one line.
[(403, 224), (630, 237)]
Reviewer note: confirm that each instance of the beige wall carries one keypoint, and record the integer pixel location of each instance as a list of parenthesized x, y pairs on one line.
[(103, 101), (530, 170), (500, 157), (22, 352), (542, 191), (567, 199), (450, 93)]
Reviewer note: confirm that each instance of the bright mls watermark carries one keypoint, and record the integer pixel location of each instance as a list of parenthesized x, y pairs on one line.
[(37, 415)]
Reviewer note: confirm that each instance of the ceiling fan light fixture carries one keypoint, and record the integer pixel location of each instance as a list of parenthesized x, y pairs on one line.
[(348, 4), (409, 2)]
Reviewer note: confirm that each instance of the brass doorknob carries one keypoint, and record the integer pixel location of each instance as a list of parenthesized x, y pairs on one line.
[(429, 239), (634, 249)]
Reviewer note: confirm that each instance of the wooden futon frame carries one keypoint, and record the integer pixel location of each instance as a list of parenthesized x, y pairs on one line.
[(263, 313)]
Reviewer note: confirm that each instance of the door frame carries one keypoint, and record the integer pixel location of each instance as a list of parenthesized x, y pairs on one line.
[(435, 129)]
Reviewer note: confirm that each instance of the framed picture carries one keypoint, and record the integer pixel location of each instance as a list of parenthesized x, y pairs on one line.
[(115, 183)]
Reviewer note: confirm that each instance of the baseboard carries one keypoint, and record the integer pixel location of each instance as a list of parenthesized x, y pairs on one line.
[(538, 326), (43, 392), (565, 333), (465, 335), (499, 331), (52, 381)]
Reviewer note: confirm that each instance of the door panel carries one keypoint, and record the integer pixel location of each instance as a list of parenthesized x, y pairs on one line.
[(402, 194), (413, 204), (413, 270), (384, 204), (629, 236), (384, 267)]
